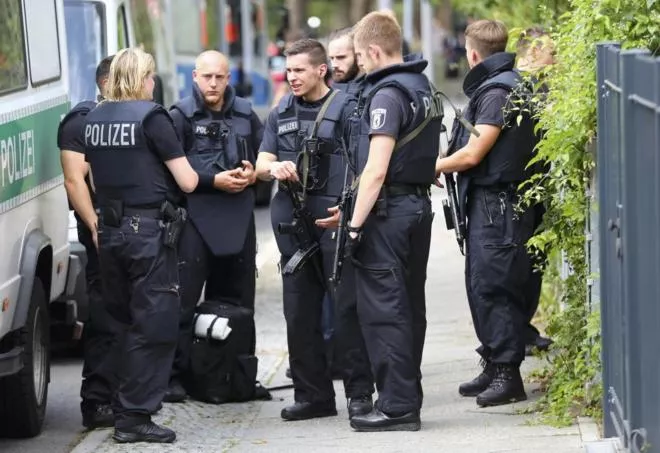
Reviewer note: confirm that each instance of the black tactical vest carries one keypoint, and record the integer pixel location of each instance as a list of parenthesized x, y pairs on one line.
[(122, 163), (414, 162), (82, 108), (506, 162), (217, 145), (212, 146), (294, 129)]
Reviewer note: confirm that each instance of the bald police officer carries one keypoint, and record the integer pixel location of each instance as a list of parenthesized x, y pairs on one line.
[(220, 132)]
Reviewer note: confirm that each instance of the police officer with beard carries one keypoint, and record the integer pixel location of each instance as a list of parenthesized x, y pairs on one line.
[(345, 70), (313, 116), (491, 167), (139, 170), (390, 228), (220, 132), (100, 330)]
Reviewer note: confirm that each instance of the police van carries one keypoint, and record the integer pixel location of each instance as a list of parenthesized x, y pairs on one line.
[(37, 271)]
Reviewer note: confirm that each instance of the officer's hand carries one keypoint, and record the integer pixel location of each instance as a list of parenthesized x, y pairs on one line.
[(353, 241), (284, 171), (248, 172), (230, 181), (332, 221)]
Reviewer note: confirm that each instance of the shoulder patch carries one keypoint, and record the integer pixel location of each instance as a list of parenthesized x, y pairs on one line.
[(378, 118)]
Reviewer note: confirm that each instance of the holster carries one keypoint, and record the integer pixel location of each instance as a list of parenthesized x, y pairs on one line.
[(174, 219), (111, 213)]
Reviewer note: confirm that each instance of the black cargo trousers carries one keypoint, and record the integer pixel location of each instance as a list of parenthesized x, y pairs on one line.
[(303, 294), (100, 333), (390, 266), (497, 271), (141, 288)]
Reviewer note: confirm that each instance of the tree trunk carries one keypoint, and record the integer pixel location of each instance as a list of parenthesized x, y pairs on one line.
[(297, 15), (359, 8)]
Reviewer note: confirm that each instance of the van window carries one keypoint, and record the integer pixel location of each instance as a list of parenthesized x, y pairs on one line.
[(13, 74), (43, 42), (85, 40)]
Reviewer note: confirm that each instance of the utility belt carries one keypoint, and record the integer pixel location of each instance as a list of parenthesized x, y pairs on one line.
[(397, 190), (172, 217)]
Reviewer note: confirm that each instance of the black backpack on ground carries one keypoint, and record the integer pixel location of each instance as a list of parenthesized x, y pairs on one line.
[(223, 371)]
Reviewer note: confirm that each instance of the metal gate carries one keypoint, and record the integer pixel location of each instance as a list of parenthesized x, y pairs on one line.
[(628, 164)]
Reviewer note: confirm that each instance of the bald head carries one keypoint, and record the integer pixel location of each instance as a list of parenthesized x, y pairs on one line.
[(210, 58), (211, 74)]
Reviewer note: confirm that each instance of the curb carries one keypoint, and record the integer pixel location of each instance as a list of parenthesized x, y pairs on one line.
[(591, 440), (92, 441)]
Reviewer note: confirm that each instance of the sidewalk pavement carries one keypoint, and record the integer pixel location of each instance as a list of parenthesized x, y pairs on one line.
[(450, 423)]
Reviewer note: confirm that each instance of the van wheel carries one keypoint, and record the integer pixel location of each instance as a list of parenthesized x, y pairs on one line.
[(23, 396)]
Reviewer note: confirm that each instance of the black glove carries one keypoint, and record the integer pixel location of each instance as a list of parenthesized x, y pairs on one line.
[(353, 243)]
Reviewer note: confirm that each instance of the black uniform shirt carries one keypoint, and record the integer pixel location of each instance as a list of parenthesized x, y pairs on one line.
[(390, 112), (269, 143), (72, 138), (162, 137), (490, 109)]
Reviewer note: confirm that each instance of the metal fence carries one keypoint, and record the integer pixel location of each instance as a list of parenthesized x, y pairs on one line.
[(628, 165)]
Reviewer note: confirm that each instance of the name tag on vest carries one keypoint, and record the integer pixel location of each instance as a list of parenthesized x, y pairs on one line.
[(111, 135), (287, 126)]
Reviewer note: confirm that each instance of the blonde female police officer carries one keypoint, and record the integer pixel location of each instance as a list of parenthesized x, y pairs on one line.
[(139, 170)]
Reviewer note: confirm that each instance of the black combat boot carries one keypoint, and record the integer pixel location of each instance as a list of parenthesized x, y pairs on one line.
[(481, 382), (97, 416), (360, 405), (506, 387), (146, 432)]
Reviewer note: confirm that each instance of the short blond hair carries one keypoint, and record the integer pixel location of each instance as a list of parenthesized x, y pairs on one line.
[(128, 71), (381, 29), (487, 37)]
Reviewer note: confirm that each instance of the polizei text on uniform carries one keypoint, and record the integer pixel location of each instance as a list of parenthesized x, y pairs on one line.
[(110, 135)]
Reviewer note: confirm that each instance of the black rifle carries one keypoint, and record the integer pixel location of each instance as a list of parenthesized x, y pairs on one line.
[(450, 207), (453, 219), (345, 208), (303, 228)]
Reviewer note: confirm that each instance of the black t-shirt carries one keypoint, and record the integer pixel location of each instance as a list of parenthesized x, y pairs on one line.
[(161, 136), (390, 112), (490, 108), (72, 137), (269, 142)]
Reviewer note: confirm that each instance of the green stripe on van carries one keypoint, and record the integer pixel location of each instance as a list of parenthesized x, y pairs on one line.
[(29, 156)]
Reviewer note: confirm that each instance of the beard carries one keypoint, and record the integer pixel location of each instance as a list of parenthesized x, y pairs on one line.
[(349, 75)]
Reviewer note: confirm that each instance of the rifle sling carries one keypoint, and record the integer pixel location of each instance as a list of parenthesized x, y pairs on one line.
[(315, 128)]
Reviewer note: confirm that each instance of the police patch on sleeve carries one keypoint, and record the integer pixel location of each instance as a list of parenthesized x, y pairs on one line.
[(378, 118)]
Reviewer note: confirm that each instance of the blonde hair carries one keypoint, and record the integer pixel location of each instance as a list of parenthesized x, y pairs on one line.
[(128, 71), (487, 37), (381, 29)]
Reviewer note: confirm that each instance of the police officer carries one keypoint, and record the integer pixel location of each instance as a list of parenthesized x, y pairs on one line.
[(302, 148), (346, 74), (138, 166), (100, 330), (390, 228), (491, 167), (220, 131)]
